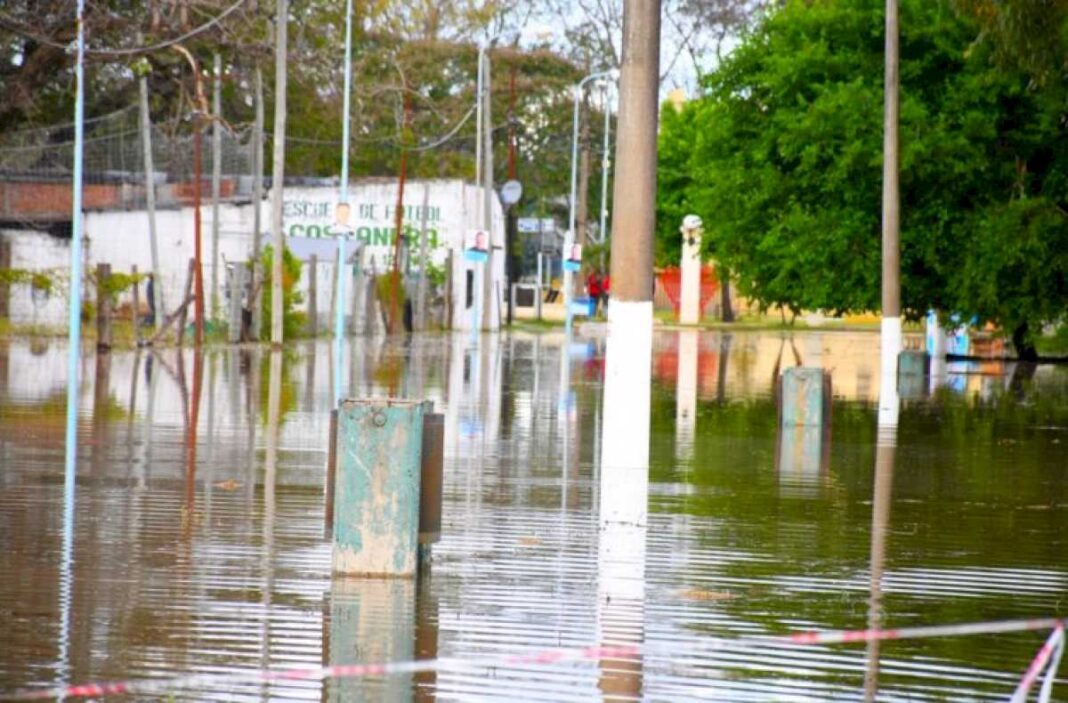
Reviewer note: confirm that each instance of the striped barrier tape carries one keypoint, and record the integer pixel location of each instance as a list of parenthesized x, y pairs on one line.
[(1051, 650), (590, 653)]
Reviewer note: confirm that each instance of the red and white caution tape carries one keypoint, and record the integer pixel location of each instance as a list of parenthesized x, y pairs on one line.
[(593, 653), (1052, 649)]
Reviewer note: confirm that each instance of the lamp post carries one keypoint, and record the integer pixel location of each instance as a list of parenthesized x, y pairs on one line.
[(484, 167), (605, 165), (570, 239)]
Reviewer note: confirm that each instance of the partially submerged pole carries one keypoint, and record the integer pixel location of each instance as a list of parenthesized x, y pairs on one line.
[(343, 211), (256, 280), (74, 321), (216, 180), (486, 294), (891, 263), (150, 202), (278, 171), (420, 291)]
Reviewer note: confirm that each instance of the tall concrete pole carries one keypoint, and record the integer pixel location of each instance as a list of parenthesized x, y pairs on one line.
[(150, 201), (343, 207), (891, 279), (278, 171), (257, 198), (606, 164), (634, 192), (216, 179), (487, 196), (573, 201), (623, 488)]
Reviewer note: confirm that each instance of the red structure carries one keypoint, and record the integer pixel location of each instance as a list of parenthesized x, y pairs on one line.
[(671, 280)]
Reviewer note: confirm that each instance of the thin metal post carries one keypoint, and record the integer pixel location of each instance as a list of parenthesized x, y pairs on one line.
[(74, 345), (74, 323)]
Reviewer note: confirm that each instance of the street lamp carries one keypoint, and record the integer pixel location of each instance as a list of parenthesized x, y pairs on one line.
[(570, 240)]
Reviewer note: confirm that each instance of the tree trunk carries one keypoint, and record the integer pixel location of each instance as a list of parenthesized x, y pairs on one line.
[(726, 312), (1025, 346)]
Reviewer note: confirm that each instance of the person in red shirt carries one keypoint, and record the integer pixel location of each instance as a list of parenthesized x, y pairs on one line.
[(595, 289)]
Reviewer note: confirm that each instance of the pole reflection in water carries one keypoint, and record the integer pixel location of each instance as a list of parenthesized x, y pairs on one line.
[(192, 421), (371, 620), (101, 406), (624, 493), (885, 451), (274, 410), (686, 395), (426, 638), (565, 405)]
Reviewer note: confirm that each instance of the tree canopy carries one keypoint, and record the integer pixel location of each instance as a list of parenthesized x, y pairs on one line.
[(782, 158)]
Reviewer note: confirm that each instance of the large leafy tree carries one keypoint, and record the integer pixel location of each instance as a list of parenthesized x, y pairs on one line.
[(782, 159)]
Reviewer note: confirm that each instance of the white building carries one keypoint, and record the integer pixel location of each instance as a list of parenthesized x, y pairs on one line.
[(450, 210)]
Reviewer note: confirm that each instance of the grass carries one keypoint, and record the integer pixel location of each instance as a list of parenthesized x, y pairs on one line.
[(1055, 344)]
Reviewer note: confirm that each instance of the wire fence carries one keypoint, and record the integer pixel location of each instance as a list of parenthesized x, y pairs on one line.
[(36, 167)]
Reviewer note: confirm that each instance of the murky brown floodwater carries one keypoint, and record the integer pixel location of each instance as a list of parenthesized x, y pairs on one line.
[(182, 564)]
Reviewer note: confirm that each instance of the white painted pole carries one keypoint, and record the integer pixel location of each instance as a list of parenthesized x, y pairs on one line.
[(891, 263)]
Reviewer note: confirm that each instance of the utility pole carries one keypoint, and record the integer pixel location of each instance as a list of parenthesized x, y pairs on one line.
[(255, 285), (216, 180), (278, 171), (511, 215), (634, 191), (487, 195), (891, 279), (150, 201), (582, 208)]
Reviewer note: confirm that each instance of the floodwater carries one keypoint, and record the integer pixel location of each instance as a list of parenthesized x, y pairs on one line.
[(199, 550)]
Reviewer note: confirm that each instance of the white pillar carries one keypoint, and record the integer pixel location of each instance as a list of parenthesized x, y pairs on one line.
[(690, 297), (936, 349)]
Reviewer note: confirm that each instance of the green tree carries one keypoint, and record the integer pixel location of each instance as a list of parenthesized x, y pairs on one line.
[(293, 321), (784, 164)]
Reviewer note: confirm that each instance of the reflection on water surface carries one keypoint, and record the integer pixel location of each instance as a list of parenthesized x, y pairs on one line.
[(216, 560)]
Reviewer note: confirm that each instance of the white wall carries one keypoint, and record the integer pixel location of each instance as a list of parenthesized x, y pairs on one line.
[(121, 239)]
